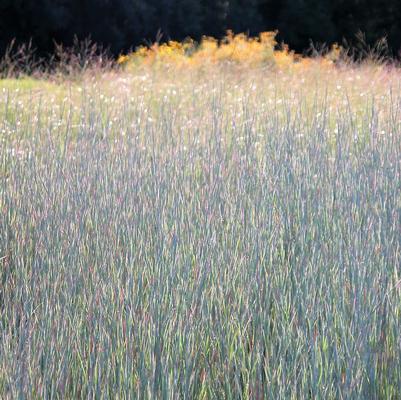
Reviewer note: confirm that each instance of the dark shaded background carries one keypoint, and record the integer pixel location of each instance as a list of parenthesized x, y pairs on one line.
[(124, 24)]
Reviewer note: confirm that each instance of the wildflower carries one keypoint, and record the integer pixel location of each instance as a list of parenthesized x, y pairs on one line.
[(123, 59)]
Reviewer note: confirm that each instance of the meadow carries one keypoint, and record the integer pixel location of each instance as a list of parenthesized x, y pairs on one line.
[(202, 226)]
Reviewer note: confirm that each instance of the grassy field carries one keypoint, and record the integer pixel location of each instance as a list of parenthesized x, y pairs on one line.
[(219, 232)]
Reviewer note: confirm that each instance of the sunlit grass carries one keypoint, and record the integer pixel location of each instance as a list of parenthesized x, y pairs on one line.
[(223, 232)]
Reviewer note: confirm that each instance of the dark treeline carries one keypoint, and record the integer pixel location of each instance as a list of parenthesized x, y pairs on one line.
[(123, 24)]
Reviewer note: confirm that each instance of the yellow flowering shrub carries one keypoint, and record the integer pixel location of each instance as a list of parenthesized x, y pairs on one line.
[(237, 49)]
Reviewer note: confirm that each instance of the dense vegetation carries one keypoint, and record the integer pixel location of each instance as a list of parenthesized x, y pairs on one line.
[(122, 24), (231, 234)]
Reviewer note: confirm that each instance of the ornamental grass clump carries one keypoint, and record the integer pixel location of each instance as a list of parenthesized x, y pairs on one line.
[(234, 234)]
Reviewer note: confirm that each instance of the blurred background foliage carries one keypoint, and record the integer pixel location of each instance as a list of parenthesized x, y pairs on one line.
[(124, 24)]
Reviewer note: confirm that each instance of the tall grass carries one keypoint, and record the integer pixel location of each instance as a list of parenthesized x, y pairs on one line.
[(214, 234)]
